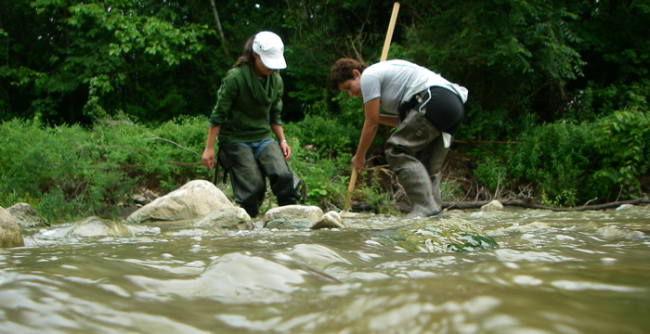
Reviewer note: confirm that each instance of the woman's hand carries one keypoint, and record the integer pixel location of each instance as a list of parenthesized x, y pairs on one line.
[(208, 157), (358, 162), (279, 133), (208, 153), (370, 125), (286, 150)]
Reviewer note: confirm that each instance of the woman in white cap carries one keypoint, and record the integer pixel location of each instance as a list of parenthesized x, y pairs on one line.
[(247, 112)]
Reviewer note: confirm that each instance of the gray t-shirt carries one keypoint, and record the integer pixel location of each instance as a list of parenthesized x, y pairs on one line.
[(396, 81)]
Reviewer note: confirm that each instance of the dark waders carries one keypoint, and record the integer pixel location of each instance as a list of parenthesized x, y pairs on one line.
[(417, 150), (247, 176)]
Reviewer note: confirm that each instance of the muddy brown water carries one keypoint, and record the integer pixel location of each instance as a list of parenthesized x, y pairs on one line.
[(586, 272)]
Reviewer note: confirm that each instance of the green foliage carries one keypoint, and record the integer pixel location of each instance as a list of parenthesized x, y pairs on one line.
[(378, 188), (566, 197), (621, 139), (319, 32), (595, 101), (513, 56), (328, 133), (492, 172), (157, 60), (556, 156), (323, 144), (69, 171), (576, 162), (121, 49), (322, 176), (450, 190)]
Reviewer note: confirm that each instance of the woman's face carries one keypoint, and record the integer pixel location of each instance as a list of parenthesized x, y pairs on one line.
[(260, 69), (352, 86)]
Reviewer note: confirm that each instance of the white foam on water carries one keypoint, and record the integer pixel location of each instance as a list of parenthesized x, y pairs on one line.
[(194, 233), (526, 280), (339, 290), (510, 255), (582, 285), (240, 321), (115, 289)]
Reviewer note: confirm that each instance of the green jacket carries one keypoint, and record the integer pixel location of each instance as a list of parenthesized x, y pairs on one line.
[(247, 106)]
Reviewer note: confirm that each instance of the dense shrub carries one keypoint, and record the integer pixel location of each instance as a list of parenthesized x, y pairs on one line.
[(571, 163), (72, 171), (621, 141), (67, 171)]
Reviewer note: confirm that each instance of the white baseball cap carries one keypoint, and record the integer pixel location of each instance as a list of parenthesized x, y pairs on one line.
[(269, 47)]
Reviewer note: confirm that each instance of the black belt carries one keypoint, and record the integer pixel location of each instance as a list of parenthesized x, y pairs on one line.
[(413, 103)]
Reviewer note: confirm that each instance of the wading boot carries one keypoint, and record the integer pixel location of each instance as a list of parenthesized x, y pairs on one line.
[(416, 134), (433, 158)]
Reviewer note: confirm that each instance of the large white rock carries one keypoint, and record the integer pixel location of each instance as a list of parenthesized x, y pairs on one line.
[(9, 231), (226, 219), (331, 219), (96, 227), (292, 217), (26, 216), (193, 200), (495, 205), (624, 207)]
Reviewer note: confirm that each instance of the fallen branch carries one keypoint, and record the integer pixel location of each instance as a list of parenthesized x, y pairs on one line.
[(173, 143), (524, 204), (484, 142), (154, 137), (172, 163)]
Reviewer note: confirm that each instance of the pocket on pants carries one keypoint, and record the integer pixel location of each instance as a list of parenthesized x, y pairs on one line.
[(415, 131)]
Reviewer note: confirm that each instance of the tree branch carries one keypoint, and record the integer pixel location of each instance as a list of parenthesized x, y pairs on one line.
[(524, 204), (129, 123), (216, 18)]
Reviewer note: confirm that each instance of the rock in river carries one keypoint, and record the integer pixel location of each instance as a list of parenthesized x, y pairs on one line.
[(438, 236), (9, 231), (193, 200), (292, 217), (26, 216), (97, 227), (226, 219)]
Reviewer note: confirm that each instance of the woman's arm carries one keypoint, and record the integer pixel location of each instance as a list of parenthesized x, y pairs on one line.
[(371, 110), (279, 133), (208, 153), (390, 120), (226, 95)]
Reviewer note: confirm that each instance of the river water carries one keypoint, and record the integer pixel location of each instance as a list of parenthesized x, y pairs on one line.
[(586, 272)]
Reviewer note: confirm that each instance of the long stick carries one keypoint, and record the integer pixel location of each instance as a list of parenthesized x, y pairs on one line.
[(389, 34), (384, 54)]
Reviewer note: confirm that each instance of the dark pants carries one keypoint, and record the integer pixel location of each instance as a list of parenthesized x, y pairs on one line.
[(247, 176)]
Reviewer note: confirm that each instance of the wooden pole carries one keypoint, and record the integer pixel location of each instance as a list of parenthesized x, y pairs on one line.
[(384, 54), (389, 34)]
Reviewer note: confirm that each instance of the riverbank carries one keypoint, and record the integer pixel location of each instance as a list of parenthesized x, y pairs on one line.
[(69, 172)]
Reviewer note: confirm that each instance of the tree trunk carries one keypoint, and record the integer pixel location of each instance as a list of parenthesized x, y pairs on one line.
[(216, 18)]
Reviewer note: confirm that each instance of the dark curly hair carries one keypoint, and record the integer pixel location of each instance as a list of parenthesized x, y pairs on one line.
[(342, 71)]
